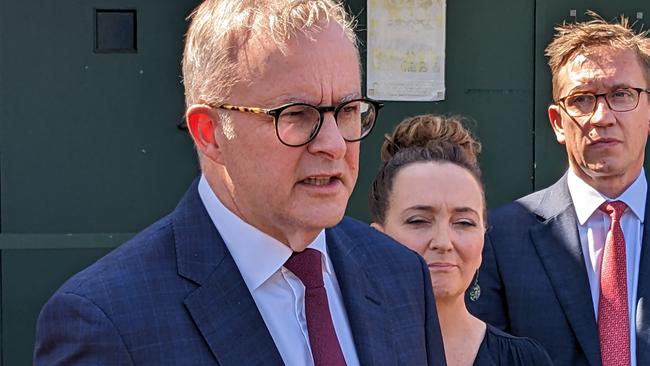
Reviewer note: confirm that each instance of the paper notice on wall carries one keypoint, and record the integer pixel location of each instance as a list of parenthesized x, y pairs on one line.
[(406, 50)]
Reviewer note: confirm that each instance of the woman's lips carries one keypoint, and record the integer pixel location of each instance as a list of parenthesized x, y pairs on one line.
[(441, 266)]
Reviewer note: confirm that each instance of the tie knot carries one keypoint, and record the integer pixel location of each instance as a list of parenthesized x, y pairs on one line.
[(306, 265), (614, 209)]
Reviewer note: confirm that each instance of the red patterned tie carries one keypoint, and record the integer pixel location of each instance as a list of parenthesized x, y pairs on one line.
[(613, 319), (325, 347)]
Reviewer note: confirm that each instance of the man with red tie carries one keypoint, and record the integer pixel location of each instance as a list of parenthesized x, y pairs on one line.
[(570, 265), (257, 264)]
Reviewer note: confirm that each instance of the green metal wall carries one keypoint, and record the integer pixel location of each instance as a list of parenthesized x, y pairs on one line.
[(90, 152), (89, 148), (489, 78)]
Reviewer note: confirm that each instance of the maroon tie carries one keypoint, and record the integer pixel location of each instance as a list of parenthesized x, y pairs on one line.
[(613, 320), (324, 344)]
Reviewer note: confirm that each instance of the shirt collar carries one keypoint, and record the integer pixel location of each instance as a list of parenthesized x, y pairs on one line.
[(257, 255), (586, 199)]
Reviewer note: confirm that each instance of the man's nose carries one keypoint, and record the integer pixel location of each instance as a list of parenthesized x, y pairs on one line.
[(603, 114), (329, 140)]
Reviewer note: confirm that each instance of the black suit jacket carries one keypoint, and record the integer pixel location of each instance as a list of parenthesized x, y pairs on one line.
[(173, 296), (534, 282)]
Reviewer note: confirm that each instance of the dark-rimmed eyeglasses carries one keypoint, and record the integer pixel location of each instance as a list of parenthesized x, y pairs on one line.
[(584, 104), (297, 124)]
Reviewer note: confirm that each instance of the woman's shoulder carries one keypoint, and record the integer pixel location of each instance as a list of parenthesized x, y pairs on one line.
[(506, 349)]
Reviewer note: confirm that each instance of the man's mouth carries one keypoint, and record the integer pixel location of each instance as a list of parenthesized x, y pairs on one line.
[(319, 181), (603, 141)]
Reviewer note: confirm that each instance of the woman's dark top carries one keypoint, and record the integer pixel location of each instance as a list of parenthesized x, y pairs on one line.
[(499, 348)]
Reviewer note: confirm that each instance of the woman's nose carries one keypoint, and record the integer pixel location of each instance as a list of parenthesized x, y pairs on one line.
[(441, 240)]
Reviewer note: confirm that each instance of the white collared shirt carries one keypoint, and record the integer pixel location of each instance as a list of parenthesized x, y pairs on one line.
[(277, 292), (593, 226)]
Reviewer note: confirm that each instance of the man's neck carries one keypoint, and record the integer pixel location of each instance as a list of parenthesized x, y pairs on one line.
[(221, 185), (611, 186)]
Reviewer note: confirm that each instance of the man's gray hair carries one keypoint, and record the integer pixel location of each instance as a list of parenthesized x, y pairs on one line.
[(220, 29)]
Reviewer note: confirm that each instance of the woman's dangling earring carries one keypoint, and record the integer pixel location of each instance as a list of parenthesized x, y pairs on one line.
[(475, 290)]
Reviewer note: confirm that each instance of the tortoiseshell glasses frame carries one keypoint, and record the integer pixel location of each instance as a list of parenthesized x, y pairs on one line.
[(297, 124)]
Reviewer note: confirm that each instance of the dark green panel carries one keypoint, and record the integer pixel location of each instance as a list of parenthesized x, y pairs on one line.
[(489, 78), (550, 157), (29, 277), (89, 140)]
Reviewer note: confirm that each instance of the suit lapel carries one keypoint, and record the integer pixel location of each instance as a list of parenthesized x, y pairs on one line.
[(643, 295), (222, 307), (557, 242), (362, 299)]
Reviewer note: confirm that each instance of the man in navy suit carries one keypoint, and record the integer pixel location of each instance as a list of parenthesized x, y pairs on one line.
[(570, 265), (256, 265)]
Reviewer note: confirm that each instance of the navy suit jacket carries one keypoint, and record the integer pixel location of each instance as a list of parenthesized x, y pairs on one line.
[(534, 282), (173, 295)]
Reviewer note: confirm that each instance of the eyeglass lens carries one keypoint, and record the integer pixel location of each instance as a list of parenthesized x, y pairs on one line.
[(299, 123), (620, 100)]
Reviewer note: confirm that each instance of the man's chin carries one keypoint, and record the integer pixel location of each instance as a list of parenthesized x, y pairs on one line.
[(605, 171), (601, 169), (320, 212), (588, 165), (330, 220), (323, 219)]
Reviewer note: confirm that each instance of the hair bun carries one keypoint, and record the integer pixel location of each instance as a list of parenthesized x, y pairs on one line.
[(429, 129)]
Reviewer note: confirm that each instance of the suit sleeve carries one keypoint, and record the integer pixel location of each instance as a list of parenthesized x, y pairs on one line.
[(491, 306), (72, 330), (435, 347)]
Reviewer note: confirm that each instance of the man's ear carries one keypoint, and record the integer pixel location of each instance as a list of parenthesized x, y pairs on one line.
[(555, 117), (203, 125), (377, 227)]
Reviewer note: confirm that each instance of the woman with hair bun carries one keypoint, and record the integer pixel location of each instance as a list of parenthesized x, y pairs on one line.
[(428, 195)]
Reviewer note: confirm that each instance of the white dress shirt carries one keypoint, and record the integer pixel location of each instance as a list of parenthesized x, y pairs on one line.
[(277, 292), (593, 226)]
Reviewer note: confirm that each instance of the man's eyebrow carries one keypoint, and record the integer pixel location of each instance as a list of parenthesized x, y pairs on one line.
[(350, 96), (583, 88), (285, 99), (621, 86), (589, 88), (288, 98)]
